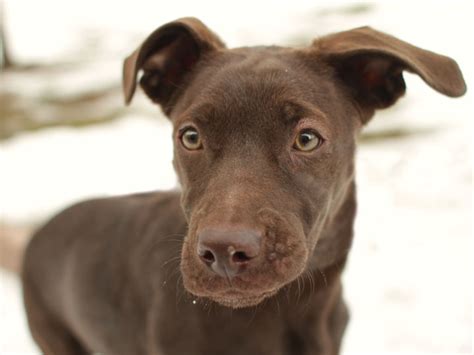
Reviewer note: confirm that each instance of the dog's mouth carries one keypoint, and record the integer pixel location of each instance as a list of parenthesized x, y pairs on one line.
[(255, 284), (247, 290), (239, 292), (236, 299), (280, 258)]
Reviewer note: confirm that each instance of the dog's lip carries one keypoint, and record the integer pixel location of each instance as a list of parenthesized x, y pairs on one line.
[(240, 299), (240, 289)]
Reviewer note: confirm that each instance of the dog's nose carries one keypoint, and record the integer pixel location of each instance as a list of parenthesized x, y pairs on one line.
[(228, 252)]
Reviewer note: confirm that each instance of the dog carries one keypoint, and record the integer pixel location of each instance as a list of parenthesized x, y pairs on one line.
[(247, 257)]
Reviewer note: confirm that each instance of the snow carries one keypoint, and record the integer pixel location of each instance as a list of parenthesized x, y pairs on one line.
[(409, 278)]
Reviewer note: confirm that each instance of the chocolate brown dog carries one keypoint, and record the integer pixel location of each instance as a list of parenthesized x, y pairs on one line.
[(247, 258)]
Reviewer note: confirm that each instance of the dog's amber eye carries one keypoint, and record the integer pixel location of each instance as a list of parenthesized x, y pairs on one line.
[(190, 139), (307, 140)]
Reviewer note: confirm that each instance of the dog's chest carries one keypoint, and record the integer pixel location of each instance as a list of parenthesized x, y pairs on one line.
[(237, 332)]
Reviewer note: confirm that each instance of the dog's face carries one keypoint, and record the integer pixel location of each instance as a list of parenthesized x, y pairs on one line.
[(264, 142), (262, 152)]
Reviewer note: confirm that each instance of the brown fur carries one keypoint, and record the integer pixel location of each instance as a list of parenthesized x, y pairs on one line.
[(123, 276)]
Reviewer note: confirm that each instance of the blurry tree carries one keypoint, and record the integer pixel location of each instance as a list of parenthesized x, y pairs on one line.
[(32, 95), (5, 59)]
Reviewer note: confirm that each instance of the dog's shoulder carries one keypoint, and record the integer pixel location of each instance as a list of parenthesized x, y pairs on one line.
[(102, 209), (110, 215), (98, 223)]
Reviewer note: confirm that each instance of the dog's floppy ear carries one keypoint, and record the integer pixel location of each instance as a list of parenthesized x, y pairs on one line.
[(166, 56), (371, 64)]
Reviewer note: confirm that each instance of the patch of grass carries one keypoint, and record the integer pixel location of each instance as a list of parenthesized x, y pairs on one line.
[(392, 134), (20, 122), (83, 98), (25, 114)]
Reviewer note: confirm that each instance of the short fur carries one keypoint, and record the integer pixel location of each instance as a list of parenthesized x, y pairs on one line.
[(123, 275)]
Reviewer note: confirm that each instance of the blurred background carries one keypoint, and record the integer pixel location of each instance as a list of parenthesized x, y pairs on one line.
[(65, 135)]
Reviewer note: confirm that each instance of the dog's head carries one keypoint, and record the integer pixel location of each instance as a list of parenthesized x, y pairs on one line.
[(264, 143)]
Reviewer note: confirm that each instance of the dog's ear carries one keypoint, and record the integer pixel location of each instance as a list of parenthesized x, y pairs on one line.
[(371, 65), (165, 57)]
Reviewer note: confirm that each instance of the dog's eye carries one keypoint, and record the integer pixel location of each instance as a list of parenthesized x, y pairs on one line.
[(190, 139), (307, 140)]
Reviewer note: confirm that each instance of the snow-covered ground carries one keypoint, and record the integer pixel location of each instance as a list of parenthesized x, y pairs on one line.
[(409, 279)]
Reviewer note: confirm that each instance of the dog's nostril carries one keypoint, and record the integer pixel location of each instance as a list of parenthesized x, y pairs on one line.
[(240, 257), (208, 256), (228, 252)]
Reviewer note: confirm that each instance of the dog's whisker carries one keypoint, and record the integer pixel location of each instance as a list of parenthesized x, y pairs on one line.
[(300, 290), (229, 281), (312, 284), (254, 313), (324, 277), (278, 305), (173, 259), (160, 241)]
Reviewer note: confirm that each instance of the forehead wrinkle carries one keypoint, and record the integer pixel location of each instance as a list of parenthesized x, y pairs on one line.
[(296, 109), (199, 112), (256, 92)]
